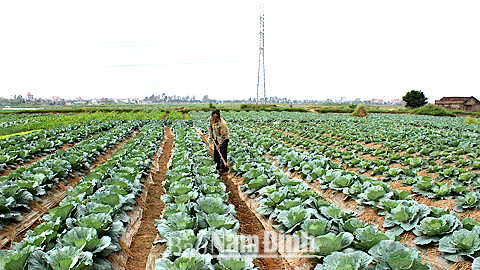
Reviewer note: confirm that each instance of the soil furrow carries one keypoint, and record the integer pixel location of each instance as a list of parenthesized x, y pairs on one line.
[(152, 208)]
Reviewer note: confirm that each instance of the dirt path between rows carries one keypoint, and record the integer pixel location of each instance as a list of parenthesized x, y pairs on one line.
[(250, 225), (142, 242)]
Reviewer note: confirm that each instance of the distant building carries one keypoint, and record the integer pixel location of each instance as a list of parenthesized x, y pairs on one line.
[(29, 96), (376, 101), (459, 103), (396, 102), (127, 101), (133, 100)]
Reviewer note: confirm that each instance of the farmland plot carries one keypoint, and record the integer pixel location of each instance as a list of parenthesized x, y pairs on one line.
[(250, 223), (43, 177), (90, 224), (416, 171), (392, 206), (19, 149), (198, 225), (325, 191), (359, 237)]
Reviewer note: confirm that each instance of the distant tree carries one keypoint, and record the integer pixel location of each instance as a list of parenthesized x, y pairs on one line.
[(205, 99), (108, 101), (415, 99), (4, 101), (356, 101), (17, 100)]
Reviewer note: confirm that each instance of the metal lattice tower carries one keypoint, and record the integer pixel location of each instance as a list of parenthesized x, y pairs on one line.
[(261, 61)]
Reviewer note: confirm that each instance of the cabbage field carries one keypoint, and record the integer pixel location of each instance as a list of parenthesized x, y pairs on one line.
[(139, 190)]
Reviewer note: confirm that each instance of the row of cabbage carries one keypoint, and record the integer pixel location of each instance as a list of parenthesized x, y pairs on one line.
[(457, 240), (462, 188), (14, 119), (340, 238), (198, 224), (437, 149), (449, 140), (399, 132), (26, 183), (87, 225), (399, 137), (18, 149), (11, 123), (453, 127)]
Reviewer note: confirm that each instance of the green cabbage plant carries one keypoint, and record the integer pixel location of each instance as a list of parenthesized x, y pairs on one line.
[(357, 260), (471, 200), (405, 217), (393, 255), (367, 237), (431, 229), (190, 259), (461, 245), (330, 242)]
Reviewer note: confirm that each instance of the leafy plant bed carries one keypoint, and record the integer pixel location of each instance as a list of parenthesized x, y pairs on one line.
[(250, 222), (197, 225), (464, 199), (131, 246), (88, 224), (20, 149), (295, 162), (252, 204), (54, 195)]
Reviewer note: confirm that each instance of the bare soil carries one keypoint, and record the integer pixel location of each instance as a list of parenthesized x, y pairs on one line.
[(250, 225), (142, 242)]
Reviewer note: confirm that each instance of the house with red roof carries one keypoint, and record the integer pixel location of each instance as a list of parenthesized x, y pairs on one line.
[(459, 103)]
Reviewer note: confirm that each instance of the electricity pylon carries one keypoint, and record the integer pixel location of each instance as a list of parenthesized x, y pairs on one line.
[(261, 60)]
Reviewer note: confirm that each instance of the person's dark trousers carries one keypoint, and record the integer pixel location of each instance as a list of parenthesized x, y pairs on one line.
[(223, 151)]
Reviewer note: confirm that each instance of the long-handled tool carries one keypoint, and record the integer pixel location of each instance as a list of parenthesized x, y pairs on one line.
[(218, 149)]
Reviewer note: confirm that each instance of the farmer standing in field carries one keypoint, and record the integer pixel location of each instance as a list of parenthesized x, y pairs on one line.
[(222, 135)]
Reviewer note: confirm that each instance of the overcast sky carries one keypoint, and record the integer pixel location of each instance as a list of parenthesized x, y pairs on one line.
[(313, 49)]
